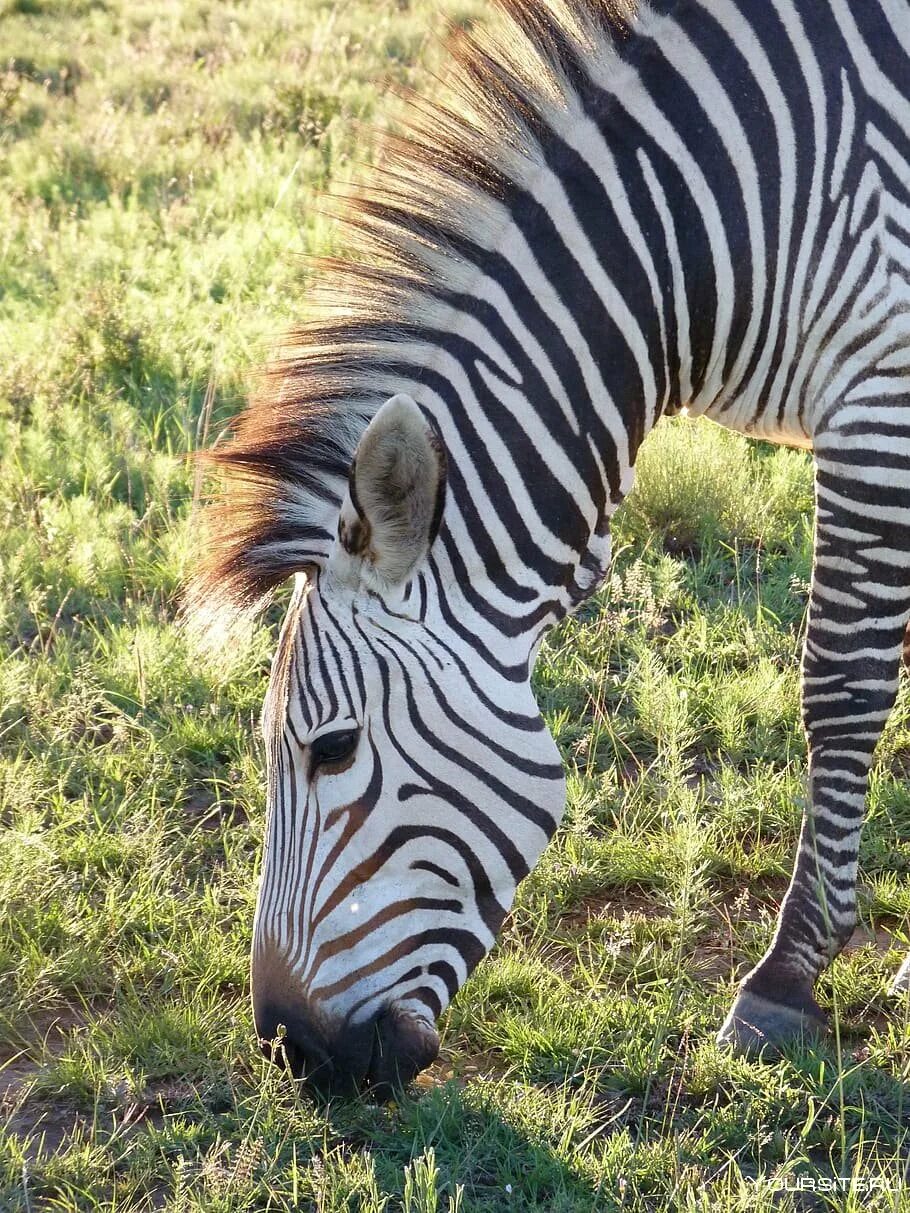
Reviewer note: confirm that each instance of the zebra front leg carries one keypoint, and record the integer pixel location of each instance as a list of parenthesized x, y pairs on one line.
[(901, 983), (858, 611)]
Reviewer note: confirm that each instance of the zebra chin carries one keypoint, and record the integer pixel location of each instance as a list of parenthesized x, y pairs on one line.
[(379, 1055)]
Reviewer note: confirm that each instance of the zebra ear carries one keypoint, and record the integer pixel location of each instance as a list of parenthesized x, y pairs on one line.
[(396, 492)]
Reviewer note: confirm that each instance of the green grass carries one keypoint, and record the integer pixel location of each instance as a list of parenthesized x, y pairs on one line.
[(160, 168)]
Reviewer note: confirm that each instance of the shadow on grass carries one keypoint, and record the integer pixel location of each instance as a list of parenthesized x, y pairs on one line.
[(212, 1147), (231, 1137)]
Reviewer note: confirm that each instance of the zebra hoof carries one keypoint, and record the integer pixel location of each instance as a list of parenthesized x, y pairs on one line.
[(901, 983), (757, 1025)]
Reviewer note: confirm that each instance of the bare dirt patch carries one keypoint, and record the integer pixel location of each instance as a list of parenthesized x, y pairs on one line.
[(16, 1077), (603, 906), (878, 936), (40, 1125), (46, 1131), (718, 953), (44, 1125), (206, 811), (459, 1062)]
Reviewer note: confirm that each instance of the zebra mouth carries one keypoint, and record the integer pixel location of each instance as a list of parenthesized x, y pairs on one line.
[(404, 1043)]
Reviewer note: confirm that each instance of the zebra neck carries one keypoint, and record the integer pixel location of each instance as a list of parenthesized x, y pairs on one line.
[(539, 456), (544, 368)]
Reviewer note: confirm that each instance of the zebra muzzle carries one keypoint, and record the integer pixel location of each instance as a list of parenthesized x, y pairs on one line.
[(381, 1055)]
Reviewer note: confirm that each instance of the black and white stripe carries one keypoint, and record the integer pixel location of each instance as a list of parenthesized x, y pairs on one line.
[(700, 205)]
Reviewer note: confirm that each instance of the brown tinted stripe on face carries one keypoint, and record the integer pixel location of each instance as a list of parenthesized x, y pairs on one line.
[(357, 876), (360, 875), (484, 898), (412, 974), (365, 803), (398, 909), (356, 813), (464, 943)]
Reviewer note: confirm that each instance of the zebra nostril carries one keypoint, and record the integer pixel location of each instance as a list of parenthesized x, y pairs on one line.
[(339, 1057), (291, 1042), (330, 1066)]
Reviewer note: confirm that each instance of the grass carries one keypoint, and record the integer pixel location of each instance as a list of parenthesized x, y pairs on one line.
[(160, 168)]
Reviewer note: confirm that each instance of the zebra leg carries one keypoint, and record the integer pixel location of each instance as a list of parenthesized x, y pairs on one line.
[(858, 612), (901, 983)]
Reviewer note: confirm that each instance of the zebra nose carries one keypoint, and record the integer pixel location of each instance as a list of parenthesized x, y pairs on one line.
[(292, 1048), (380, 1053), (290, 1037)]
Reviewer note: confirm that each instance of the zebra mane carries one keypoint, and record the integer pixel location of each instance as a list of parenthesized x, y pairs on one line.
[(447, 178)]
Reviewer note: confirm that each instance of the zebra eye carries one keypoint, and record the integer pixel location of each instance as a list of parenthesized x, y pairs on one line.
[(333, 748)]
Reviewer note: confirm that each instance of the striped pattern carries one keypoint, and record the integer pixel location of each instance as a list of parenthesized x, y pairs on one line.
[(388, 876), (623, 211)]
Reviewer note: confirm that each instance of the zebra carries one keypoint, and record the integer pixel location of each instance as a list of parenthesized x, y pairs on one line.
[(618, 211)]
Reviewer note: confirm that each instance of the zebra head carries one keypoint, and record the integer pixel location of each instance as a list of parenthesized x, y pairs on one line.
[(412, 784)]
